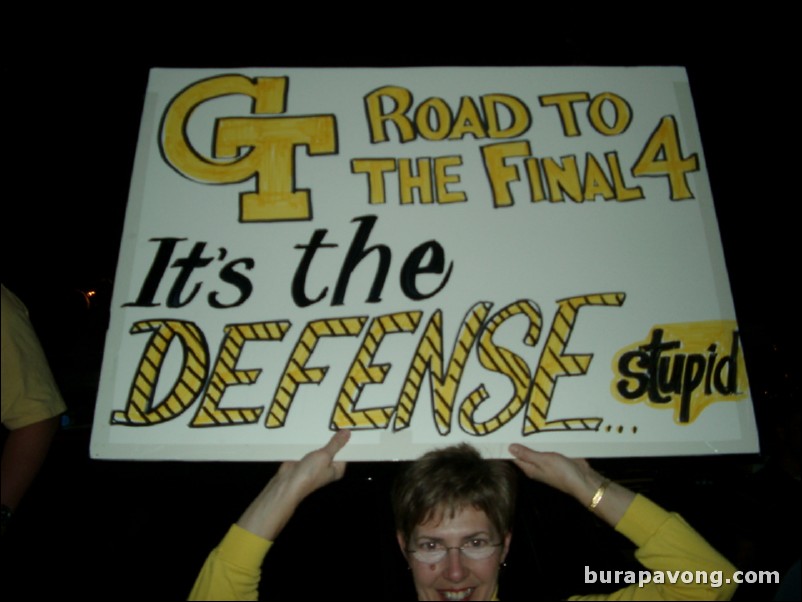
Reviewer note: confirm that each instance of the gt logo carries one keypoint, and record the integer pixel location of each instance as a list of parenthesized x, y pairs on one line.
[(246, 147)]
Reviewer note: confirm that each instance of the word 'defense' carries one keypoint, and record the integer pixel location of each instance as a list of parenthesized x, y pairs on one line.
[(203, 381)]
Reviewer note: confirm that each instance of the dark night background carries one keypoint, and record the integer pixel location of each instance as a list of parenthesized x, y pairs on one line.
[(134, 529)]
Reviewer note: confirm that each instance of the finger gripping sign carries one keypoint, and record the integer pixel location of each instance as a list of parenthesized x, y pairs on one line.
[(423, 256)]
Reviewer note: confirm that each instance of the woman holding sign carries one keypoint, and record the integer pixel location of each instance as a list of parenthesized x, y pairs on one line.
[(454, 513)]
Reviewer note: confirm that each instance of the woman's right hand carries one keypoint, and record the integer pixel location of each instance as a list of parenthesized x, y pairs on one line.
[(274, 506), (317, 468)]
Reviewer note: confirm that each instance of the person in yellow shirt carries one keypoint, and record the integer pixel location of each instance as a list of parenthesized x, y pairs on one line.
[(31, 404), (453, 512)]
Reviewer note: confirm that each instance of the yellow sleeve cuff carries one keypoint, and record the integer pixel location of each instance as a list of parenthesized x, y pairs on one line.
[(242, 548), (641, 520), (233, 569)]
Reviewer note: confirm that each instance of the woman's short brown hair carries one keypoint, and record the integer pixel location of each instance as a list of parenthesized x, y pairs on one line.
[(449, 479)]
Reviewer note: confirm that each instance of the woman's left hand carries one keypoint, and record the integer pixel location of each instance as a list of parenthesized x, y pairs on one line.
[(575, 477)]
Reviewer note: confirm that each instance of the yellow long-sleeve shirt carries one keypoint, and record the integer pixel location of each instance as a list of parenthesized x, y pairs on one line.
[(665, 542)]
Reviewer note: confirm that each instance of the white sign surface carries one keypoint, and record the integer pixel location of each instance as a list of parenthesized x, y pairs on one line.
[(424, 256)]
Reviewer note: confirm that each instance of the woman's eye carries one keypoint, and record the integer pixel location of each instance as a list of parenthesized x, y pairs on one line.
[(477, 543), (428, 546)]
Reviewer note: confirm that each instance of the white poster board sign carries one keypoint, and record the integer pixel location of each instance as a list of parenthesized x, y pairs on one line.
[(425, 256)]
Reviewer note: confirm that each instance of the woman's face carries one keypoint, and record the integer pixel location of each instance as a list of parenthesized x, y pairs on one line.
[(456, 577)]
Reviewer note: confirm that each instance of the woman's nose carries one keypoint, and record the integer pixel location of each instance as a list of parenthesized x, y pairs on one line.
[(456, 570)]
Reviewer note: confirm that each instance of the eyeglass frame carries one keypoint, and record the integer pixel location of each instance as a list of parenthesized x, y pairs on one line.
[(447, 549)]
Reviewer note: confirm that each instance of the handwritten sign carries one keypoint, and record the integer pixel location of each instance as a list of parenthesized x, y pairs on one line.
[(424, 256)]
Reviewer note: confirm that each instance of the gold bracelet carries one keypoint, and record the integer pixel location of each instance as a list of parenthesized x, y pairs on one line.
[(597, 497)]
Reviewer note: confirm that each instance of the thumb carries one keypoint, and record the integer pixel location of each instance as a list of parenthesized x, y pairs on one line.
[(337, 442)]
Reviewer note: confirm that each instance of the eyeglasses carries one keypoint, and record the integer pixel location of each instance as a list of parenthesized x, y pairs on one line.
[(432, 552)]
